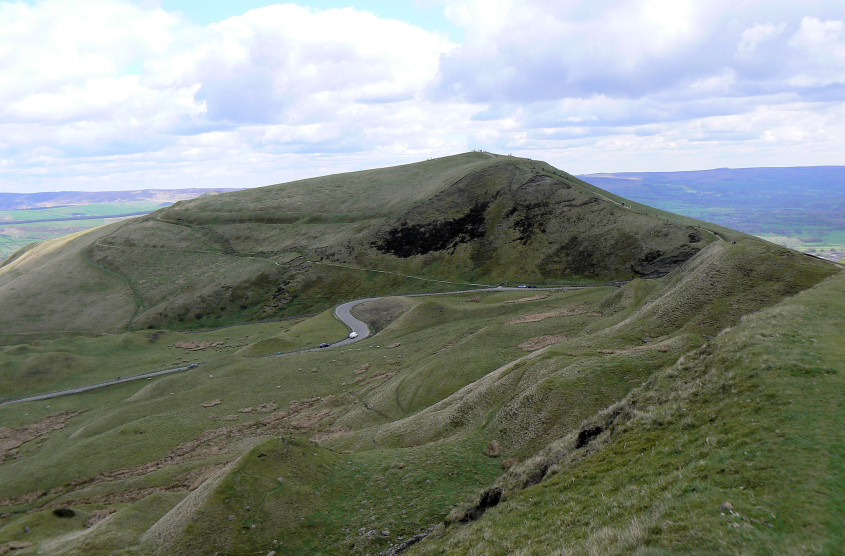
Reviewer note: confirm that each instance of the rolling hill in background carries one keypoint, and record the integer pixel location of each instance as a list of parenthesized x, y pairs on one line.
[(801, 207), (677, 388)]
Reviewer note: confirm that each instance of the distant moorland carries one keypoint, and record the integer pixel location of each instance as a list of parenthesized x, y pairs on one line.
[(802, 207)]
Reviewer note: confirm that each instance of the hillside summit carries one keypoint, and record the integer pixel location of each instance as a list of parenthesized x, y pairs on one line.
[(686, 398)]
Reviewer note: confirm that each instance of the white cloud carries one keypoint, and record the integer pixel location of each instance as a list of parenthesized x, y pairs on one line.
[(820, 47), (757, 34)]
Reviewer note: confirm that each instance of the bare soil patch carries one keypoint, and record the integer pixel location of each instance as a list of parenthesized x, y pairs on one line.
[(570, 312), (10, 439), (330, 433), (299, 418), (186, 482), (192, 345), (540, 342), (537, 297), (98, 516)]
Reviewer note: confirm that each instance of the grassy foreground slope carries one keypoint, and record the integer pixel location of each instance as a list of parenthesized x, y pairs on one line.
[(358, 450), (300, 247), (736, 448)]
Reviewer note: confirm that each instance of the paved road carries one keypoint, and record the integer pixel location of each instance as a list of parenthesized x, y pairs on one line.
[(99, 385), (342, 312)]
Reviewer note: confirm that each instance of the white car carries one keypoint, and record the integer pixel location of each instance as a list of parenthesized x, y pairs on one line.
[(353, 334)]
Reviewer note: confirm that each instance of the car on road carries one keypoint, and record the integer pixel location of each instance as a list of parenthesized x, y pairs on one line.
[(353, 334), (324, 345)]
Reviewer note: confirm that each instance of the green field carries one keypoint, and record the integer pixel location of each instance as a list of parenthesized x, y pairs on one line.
[(801, 208), (14, 235)]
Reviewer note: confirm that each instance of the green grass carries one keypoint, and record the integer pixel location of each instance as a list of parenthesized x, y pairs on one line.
[(15, 236), (50, 365), (343, 502), (451, 348), (754, 419)]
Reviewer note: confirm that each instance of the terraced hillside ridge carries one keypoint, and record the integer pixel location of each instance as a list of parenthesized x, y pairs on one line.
[(301, 247), (695, 407)]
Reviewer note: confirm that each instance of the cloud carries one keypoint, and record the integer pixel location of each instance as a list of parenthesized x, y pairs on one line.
[(114, 93), (756, 34)]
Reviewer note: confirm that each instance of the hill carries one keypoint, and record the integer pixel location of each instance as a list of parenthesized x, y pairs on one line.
[(694, 404), (301, 247)]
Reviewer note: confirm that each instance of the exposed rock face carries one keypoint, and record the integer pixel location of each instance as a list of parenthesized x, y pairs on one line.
[(407, 240)]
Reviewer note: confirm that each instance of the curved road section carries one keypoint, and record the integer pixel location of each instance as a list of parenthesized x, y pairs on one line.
[(355, 325)]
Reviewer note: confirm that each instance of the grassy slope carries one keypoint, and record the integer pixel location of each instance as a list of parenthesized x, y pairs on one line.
[(49, 365), (52, 288), (753, 418), (423, 460)]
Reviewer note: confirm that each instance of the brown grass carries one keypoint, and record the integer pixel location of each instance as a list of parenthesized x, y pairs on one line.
[(10, 439)]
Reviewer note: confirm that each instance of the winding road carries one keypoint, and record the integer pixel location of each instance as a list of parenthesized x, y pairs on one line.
[(342, 312)]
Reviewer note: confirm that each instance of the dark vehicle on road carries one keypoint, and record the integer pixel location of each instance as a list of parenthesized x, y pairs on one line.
[(324, 345)]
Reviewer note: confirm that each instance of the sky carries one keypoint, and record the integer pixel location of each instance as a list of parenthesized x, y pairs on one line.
[(122, 94)]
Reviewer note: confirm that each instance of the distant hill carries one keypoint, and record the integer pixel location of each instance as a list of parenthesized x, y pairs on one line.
[(799, 207), (302, 246), (27, 218), (29, 201)]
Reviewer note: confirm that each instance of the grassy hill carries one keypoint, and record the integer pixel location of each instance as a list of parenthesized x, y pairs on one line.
[(300, 247), (696, 407)]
